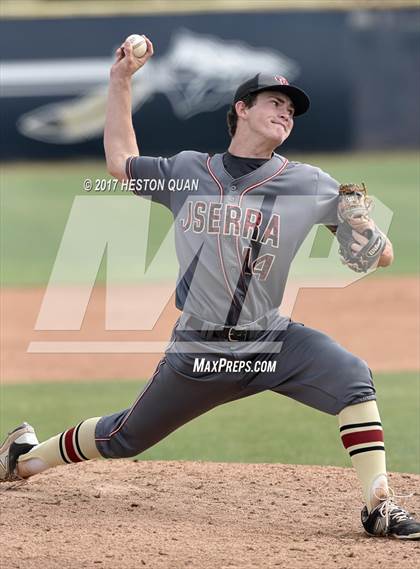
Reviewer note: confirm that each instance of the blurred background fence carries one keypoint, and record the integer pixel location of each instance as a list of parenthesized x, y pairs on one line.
[(360, 65)]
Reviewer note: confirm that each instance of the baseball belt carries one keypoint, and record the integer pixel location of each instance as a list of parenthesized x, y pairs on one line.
[(209, 331)]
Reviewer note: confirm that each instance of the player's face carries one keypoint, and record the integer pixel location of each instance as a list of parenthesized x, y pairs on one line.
[(272, 116)]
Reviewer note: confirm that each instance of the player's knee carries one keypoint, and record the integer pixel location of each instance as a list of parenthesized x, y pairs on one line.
[(360, 369), (358, 382)]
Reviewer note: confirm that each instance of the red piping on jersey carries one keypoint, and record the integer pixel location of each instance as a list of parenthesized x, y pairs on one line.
[(218, 235), (115, 431), (130, 175), (279, 171)]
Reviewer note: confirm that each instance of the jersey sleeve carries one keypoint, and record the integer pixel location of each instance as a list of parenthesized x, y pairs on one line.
[(149, 176), (327, 199)]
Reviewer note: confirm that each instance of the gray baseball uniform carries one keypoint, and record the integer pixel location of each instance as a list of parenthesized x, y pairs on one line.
[(235, 240)]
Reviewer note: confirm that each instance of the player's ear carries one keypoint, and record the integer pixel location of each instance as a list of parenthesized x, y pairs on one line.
[(241, 109)]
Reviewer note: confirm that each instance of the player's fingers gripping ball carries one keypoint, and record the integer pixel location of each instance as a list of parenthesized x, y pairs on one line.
[(138, 44), (132, 55), (354, 209)]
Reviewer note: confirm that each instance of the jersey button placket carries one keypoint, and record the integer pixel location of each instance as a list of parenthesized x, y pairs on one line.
[(232, 188)]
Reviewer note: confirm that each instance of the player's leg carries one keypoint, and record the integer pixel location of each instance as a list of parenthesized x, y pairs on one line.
[(26, 456), (168, 401), (318, 372)]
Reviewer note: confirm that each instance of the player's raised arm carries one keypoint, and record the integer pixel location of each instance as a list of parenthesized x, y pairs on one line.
[(119, 136)]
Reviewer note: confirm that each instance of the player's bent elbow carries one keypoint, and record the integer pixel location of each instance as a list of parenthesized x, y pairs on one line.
[(116, 171), (117, 174)]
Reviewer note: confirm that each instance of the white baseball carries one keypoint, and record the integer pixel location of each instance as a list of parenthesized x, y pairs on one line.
[(139, 44)]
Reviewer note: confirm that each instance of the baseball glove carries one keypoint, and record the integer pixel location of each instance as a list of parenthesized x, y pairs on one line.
[(361, 242)]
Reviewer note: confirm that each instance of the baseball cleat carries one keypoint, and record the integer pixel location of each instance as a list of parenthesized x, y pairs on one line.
[(19, 441), (389, 520)]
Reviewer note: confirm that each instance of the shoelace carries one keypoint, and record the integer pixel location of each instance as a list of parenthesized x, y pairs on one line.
[(391, 511)]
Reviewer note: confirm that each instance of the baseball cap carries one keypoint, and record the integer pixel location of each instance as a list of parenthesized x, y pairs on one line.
[(265, 82)]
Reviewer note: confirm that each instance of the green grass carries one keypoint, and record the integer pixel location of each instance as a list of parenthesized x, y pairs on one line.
[(394, 178), (263, 428), (36, 200)]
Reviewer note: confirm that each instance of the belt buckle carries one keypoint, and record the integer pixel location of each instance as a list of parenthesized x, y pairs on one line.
[(230, 335), (240, 332)]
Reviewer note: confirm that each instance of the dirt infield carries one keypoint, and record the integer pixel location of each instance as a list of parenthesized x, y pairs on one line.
[(376, 319), (173, 515), (126, 515)]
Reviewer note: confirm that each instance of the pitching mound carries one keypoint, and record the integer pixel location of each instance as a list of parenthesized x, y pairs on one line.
[(122, 514)]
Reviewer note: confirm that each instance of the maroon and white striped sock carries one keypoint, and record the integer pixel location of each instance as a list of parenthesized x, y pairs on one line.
[(362, 436), (73, 445)]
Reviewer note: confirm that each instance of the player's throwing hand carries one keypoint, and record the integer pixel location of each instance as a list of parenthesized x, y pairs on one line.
[(126, 63)]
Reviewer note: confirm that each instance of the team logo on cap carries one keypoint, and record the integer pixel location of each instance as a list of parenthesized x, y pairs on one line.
[(282, 80)]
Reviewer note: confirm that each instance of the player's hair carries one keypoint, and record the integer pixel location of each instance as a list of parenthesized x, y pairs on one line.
[(232, 117)]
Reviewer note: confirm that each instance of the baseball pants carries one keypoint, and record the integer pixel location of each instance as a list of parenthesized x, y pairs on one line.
[(310, 368)]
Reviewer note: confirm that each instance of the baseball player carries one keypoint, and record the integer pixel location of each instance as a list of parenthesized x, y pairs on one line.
[(236, 236)]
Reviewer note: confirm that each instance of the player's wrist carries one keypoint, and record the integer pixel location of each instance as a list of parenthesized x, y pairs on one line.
[(120, 78)]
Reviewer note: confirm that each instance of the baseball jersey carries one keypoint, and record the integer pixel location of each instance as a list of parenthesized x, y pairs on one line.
[(235, 238)]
